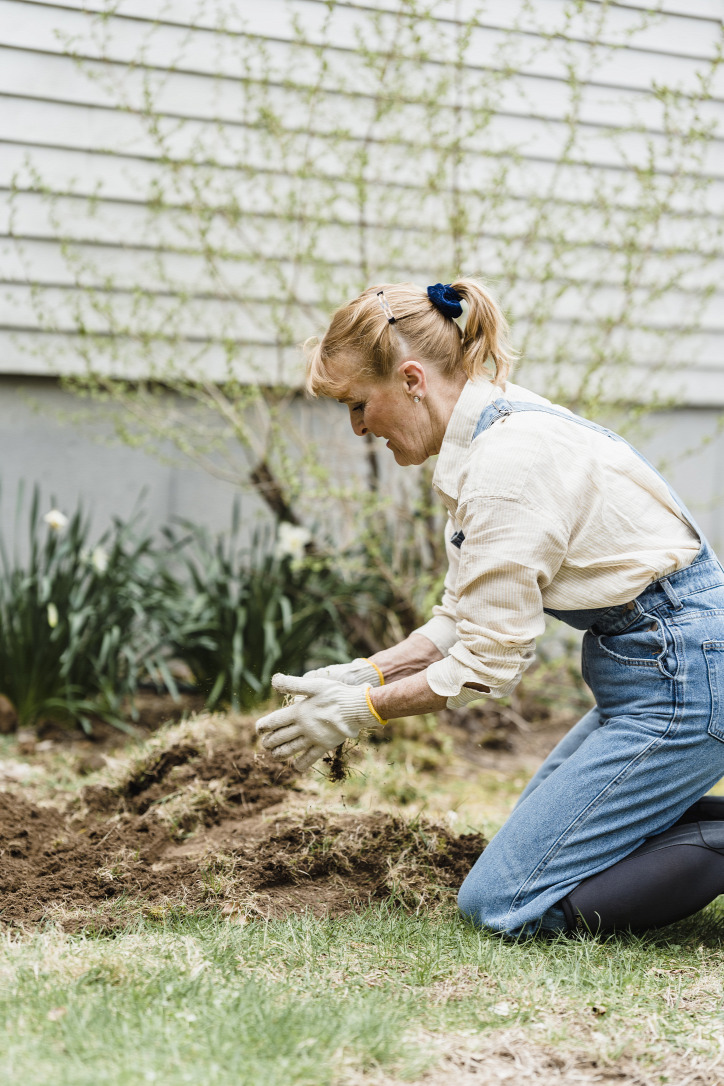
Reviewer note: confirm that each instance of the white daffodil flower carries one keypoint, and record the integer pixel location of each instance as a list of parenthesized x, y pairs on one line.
[(291, 541), (99, 559), (52, 616), (56, 520)]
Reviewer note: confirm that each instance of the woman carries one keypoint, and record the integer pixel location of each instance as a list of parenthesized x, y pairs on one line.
[(547, 512)]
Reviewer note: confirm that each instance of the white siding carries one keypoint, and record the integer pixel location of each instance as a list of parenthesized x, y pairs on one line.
[(64, 130)]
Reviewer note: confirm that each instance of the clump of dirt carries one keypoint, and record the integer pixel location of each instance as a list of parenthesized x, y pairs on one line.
[(199, 820), (334, 863)]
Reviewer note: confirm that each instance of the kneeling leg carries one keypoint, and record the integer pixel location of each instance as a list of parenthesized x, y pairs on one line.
[(706, 809), (669, 877)]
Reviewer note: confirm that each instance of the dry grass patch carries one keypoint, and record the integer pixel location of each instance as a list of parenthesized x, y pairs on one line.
[(511, 1057)]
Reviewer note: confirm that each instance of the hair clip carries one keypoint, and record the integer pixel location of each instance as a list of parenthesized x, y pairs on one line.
[(385, 306)]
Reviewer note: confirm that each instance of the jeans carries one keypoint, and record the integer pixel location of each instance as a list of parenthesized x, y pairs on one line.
[(652, 746)]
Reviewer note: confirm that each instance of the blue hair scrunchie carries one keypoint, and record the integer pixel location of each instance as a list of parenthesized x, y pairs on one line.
[(445, 298)]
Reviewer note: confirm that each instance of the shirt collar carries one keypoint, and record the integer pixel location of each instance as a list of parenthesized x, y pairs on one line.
[(475, 396)]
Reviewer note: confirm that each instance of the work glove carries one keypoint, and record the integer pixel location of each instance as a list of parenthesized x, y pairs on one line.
[(327, 713), (359, 672)]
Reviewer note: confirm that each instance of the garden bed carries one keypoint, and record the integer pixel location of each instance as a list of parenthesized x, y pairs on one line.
[(198, 820)]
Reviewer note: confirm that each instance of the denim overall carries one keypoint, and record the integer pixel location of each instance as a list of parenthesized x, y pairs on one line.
[(652, 745)]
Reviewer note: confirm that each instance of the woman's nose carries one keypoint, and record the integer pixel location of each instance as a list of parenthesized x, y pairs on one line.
[(356, 418)]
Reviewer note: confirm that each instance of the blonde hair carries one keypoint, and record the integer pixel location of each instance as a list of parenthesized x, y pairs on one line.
[(361, 343)]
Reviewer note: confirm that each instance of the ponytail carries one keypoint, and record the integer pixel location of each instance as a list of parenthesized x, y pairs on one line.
[(485, 338)]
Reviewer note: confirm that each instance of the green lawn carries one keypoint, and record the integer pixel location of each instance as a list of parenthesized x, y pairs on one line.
[(378, 997)]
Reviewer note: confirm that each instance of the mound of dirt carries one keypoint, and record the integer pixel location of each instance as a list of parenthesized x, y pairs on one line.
[(201, 821)]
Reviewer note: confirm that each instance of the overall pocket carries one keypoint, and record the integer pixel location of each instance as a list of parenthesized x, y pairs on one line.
[(714, 656), (643, 644)]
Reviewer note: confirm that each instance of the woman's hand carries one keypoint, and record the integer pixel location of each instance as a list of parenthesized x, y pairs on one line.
[(327, 713), (359, 672)]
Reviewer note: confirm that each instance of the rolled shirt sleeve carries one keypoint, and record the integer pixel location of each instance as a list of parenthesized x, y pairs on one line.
[(511, 552)]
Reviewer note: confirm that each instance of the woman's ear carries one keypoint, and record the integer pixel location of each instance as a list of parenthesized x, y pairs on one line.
[(413, 377)]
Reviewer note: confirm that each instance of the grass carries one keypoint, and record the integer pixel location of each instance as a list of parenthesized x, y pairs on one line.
[(377, 997)]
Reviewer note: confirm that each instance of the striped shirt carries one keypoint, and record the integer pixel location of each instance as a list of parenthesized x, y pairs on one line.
[(554, 515)]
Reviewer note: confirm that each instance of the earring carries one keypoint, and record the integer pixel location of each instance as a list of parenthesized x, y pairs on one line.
[(416, 399)]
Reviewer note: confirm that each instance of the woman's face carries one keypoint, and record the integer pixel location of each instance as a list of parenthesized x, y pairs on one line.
[(389, 411)]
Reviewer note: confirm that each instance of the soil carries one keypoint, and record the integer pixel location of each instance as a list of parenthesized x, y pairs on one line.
[(203, 822), (488, 735)]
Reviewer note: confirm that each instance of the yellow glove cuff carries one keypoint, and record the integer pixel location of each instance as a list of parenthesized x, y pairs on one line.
[(371, 707), (382, 678)]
